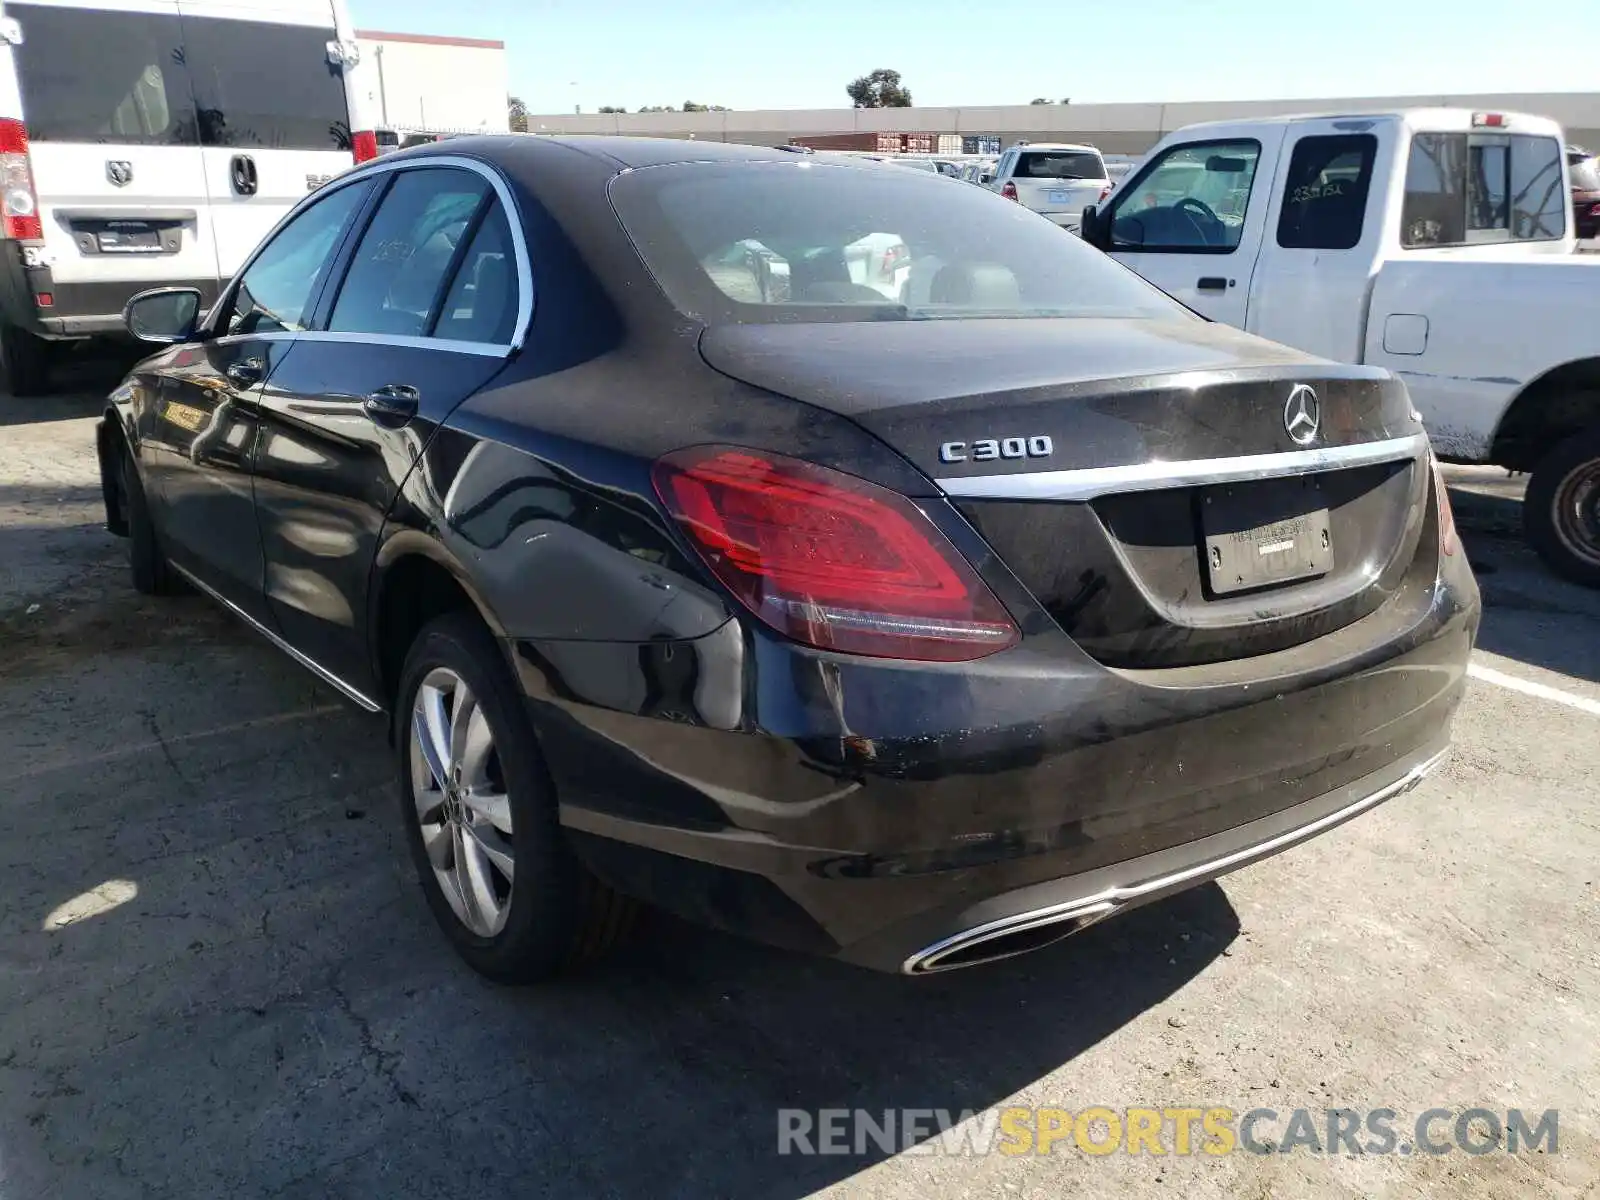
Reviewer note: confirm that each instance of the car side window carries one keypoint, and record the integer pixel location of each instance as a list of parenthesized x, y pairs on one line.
[(1325, 194), (275, 293), (1192, 199), (399, 268), (481, 305)]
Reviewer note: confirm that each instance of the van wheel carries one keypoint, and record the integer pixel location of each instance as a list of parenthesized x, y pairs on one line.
[(25, 360), (151, 574), (1561, 511), (480, 815)]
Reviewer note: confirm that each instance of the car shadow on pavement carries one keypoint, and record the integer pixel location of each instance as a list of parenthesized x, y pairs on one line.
[(247, 995)]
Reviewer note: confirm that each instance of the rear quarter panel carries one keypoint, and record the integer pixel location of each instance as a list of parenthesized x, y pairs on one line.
[(1468, 336)]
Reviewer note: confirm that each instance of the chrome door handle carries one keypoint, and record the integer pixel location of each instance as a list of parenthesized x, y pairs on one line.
[(247, 372), (393, 404)]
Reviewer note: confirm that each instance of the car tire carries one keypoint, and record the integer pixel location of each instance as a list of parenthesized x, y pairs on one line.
[(25, 360), (1561, 510), (551, 914), (152, 574)]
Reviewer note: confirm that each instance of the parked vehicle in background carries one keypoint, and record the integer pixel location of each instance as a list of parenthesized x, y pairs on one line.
[(1585, 171), (1057, 180), (914, 639), (147, 143), (1436, 243)]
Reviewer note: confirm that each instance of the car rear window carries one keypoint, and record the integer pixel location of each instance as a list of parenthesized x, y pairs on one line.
[(1482, 188), (1059, 164), (806, 241), (103, 76), (107, 76), (295, 103)]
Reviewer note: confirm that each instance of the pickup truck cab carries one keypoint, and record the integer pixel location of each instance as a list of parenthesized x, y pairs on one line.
[(1055, 179), (1437, 243)]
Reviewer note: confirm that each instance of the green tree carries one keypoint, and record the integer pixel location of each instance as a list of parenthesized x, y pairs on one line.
[(612, 108), (881, 89), (516, 115), (1041, 101)]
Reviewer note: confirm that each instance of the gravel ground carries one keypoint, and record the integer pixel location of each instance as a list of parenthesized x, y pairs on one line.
[(219, 978)]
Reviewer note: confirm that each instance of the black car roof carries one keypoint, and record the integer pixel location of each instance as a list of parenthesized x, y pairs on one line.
[(625, 152)]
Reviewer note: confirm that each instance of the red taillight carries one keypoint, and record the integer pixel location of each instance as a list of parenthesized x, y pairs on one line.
[(364, 145), (1595, 211), (1447, 516), (1104, 192), (831, 560), (1008, 190), (44, 299), (18, 204), (1489, 120)]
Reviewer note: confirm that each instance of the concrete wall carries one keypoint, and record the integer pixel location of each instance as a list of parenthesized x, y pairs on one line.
[(436, 83), (1115, 128)]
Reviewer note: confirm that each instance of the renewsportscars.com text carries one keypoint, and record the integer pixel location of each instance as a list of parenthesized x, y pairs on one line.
[(1176, 1130)]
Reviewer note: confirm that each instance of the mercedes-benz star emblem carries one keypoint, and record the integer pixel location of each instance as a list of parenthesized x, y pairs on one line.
[(119, 171), (1302, 415)]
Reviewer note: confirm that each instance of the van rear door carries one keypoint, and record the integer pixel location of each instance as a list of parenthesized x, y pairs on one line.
[(115, 156), (273, 116)]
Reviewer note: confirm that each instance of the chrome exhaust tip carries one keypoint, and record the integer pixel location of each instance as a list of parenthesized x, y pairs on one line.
[(1007, 937)]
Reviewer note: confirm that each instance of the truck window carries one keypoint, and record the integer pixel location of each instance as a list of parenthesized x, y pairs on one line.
[(1325, 194), (102, 76), (1192, 199), (1482, 188), (299, 104)]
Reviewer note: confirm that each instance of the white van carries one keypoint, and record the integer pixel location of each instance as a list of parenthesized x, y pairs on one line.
[(150, 142)]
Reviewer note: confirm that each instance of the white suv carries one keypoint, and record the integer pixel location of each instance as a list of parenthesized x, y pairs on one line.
[(1055, 179)]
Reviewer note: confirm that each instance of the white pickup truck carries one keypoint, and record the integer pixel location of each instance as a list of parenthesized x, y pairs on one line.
[(1435, 242)]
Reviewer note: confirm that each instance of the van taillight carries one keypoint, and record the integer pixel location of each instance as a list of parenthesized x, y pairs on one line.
[(18, 203), (1008, 190), (831, 560), (364, 145)]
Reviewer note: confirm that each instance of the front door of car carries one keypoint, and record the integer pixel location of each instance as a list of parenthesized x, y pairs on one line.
[(1191, 222), (424, 316), (210, 395)]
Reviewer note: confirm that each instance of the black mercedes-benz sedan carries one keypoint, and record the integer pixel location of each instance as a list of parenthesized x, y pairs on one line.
[(815, 550)]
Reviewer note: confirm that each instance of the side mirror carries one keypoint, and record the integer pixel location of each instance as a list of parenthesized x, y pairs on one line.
[(1095, 227), (163, 315)]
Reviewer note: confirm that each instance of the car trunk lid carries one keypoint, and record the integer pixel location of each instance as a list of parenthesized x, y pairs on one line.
[(1140, 478)]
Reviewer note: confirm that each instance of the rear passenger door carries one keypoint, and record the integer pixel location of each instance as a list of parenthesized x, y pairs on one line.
[(434, 297), (274, 123), (1324, 237)]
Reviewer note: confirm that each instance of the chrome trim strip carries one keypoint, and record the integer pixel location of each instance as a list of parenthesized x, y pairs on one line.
[(310, 664), (1089, 482), (1104, 903)]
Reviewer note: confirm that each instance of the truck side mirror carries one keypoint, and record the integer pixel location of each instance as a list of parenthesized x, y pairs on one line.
[(1095, 227)]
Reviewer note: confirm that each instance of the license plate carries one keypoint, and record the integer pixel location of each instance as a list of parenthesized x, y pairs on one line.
[(1243, 552), (129, 241), (1060, 197)]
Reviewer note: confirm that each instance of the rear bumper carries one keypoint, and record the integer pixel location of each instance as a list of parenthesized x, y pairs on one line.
[(77, 310), (871, 811)]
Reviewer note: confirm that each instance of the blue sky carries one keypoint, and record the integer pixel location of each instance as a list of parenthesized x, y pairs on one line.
[(793, 54)]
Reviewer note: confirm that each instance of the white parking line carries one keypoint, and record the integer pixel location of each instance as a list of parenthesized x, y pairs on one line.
[(1529, 688)]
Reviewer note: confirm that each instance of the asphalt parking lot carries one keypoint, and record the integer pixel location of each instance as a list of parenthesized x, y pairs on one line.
[(219, 978)]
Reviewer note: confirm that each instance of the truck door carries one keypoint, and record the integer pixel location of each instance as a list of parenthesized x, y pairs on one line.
[(274, 122), (1191, 220), (1324, 237)]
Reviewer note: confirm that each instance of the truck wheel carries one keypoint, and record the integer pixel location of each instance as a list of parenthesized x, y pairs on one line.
[(26, 361), (1561, 511)]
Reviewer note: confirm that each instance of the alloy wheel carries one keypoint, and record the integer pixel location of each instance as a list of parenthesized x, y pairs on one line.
[(463, 809), (1577, 512)]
